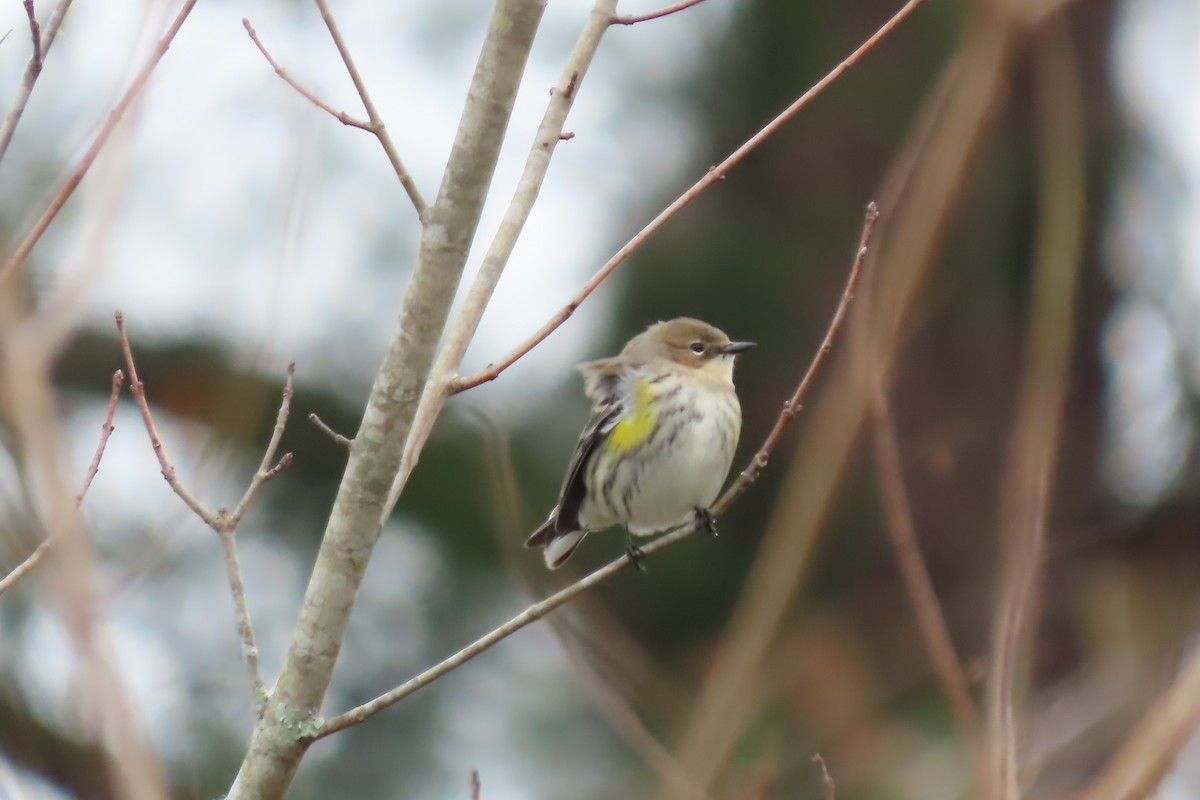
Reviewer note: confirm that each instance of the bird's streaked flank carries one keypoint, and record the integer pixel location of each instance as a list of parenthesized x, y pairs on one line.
[(664, 425)]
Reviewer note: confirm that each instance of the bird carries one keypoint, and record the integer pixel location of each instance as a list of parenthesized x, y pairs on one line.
[(659, 443)]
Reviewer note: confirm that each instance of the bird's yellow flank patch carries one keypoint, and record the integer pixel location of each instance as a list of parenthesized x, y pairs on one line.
[(637, 423)]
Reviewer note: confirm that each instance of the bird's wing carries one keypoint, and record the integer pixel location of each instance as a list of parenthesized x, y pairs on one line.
[(574, 489), (602, 383)]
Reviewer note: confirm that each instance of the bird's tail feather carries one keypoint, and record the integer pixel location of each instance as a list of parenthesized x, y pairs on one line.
[(557, 546)]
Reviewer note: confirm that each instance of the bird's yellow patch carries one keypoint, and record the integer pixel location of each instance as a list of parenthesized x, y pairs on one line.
[(637, 423)]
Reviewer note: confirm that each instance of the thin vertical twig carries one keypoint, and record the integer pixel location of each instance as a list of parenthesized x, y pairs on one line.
[(106, 429), (43, 37)]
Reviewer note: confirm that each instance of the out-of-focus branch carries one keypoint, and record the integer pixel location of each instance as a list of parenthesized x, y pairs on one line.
[(42, 39), (223, 522), (283, 734), (123, 105), (914, 232), (106, 429), (1038, 425), (377, 127), (1154, 743), (926, 607), (563, 596), (633, 19), (713, 175), (549, 134), (340, 116), (828, 788)]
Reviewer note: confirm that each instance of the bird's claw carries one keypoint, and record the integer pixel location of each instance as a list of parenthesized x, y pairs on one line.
[(707, 520)]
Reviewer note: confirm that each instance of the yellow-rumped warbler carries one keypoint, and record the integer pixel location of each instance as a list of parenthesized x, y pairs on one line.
[(665, 421)]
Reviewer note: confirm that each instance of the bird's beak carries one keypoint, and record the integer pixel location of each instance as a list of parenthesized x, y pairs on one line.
[(736, 347)]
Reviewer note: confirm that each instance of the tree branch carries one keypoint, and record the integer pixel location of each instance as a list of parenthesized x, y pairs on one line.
[(223, 523), (281, 737), (563, 596), (548, 135), (33, 68), (713, 175), (928, 610), (377, 127), (106, 429), (123, 105), (633, 19), (1038, 426), (340, 116)]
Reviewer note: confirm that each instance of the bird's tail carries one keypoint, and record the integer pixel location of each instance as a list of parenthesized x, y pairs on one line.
[(557, 546)]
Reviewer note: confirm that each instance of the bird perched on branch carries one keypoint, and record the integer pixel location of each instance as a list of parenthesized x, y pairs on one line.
[(655, 453)]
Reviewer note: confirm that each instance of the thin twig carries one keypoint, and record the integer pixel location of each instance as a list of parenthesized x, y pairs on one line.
[(377, 127), (35, 31), (106, 429), (828, 787), (633, 19), (224, 523), (483, 286), (928, 610), (565, 595), (33, 68), (138, 389), (15, 261), (713, 175), (476, 785), (792, 406), (330, 432), (267, 470), (340, 116)]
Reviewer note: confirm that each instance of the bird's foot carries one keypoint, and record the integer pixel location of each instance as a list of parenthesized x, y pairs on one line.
[(634, 552), (706, 520)]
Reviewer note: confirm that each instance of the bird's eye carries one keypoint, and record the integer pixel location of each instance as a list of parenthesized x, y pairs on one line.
[(697, 348)]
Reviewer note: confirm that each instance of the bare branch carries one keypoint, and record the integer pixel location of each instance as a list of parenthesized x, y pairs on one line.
[(633, 19), (330, 432), (928, 610), (281, 737), (459, 336), (563, 596), (827, 786), (223, 522), (138, 389), (267, 471), (792, 406), (138, 83), (106, 429), (377, 127), (713, 175), (42, 39), (476, 786), (340, 116), (1154, 743), (35, 30)]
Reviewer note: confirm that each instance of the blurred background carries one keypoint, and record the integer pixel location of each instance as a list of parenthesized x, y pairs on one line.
[(239, 228)]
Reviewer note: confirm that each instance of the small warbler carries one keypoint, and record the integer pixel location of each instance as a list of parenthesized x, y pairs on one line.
[(664, 425)]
